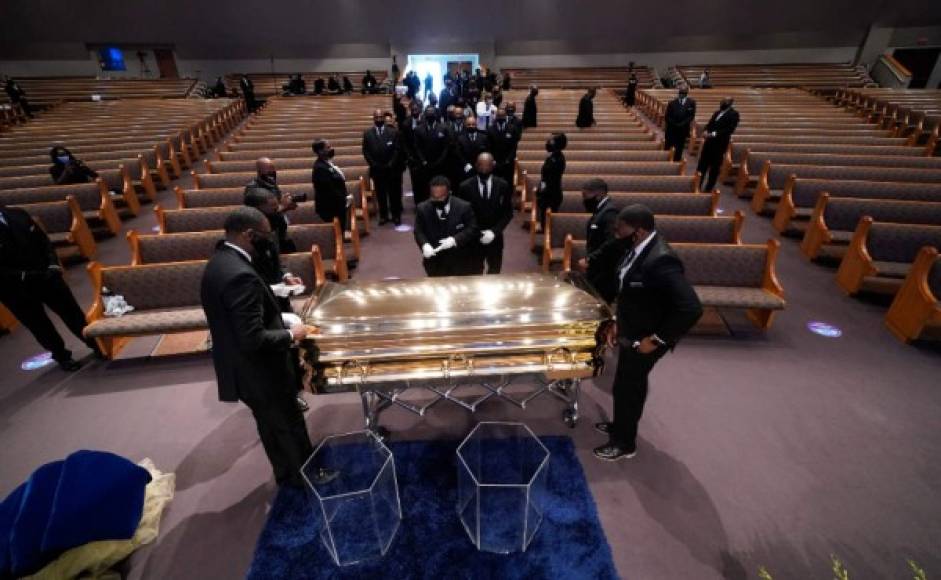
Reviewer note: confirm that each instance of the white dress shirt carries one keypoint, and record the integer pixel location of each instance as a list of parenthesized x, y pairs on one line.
[(484, 113), (485, 187), (636, 251)]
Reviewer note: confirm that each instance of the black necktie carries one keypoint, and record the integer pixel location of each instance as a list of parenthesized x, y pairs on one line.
[(624, 263), (486, 187)]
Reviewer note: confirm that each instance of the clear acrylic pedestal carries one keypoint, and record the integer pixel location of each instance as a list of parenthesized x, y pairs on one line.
[(359, 509), (501, 470)]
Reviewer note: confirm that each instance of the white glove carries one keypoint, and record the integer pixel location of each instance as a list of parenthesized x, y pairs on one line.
[(427, 251), (446, 244), (467, 167), (487, 236), (349, 200)]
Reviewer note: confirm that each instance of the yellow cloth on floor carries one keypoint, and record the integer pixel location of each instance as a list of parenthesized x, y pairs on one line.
[(94, 560)]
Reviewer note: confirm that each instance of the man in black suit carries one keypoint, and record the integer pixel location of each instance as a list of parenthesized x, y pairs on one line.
[(369, 84), (680, 114), (656, 306), (248, 93), (599, 231), (252, 347), (717, 135), (586, 110), (256, 195), (381, 149), (503, 137), (492, 201), (446, 97), (432, 145), (470, 144), (330, 197), (529, 107), (445, 231), (31, 279)]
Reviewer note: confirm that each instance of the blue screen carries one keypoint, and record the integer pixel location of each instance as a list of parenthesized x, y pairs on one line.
[(111, 58)]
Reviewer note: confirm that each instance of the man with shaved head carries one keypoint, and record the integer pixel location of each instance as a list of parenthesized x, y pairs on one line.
[(491, 198), (382, 151), (717, 135), (266, 182)]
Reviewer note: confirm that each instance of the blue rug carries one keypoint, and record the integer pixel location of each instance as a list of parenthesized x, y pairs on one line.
[(431, 542)]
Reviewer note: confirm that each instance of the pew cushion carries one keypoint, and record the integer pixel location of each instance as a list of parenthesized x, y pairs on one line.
[(157, 321), (732, 297), (892, 269)]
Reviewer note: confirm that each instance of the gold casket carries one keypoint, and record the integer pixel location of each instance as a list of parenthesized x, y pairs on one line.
[(380, 338)]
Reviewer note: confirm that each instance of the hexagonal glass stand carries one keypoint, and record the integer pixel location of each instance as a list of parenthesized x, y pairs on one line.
[(501, 474), (359, 510)]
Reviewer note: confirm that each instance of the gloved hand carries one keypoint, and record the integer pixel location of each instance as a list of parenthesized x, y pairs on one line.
[(467, 167), (427, 251), (349, 200), (446, 244), (487, 236)]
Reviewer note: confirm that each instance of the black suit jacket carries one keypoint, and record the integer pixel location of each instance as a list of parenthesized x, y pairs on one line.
[(251, 349), (723, 128), (25, 249), (679, 116), (654, 297), (460, 224), (530, 111), (468, 149), (600, 228), (503, 142), (586, 112), (432, 144), (494, 213), (381, 151), (329, 191)]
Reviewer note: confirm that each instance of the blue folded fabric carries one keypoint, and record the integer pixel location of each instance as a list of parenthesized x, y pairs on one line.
[(88, 497), (30, 524), (9, 507)]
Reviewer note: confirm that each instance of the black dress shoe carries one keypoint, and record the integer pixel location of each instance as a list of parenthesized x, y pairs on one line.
[(302, 404), (69, 365), (612, 452), (604, 427)]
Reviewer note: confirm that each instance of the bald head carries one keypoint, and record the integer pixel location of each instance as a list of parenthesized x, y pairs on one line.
[(266, 170), (377, 117), (485, 164)]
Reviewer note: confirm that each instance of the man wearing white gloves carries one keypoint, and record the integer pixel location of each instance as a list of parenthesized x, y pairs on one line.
[(446, 232), (491, 197)]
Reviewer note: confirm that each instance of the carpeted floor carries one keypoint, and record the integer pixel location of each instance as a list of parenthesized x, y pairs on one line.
[(431, 543), (772, 449)]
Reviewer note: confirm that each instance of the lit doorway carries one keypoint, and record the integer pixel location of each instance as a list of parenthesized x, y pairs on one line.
[(437, 64)]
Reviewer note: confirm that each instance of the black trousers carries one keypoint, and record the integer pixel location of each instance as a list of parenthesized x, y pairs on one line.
[(630, 392), (710, 163), (27, 301), (490, 256), (454, 262), (283, 434), (388, 195), (676, 138), (546, 201)]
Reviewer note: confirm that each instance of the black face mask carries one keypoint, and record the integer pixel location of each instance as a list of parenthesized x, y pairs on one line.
[(549, 147), (591, 204), (724, 106), (331, 153), (682, 96), (263, 245), (430, 119), (439, 203), (378, 123), (510, 112), (271, 178)]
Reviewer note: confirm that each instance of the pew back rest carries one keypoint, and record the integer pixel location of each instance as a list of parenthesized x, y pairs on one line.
[(55, 216), (192, 220), (149, 287), (843, 213), (561, 225), (231, 195), (659, 203), (778, 174), (323, 235), (162, 248), (301, 265), (645, 183), (805, 191), (889, 242), (88, 195), (724, 265), (700, 229)]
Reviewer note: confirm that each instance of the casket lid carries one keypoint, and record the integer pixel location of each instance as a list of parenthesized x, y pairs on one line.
[(441, 304)]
